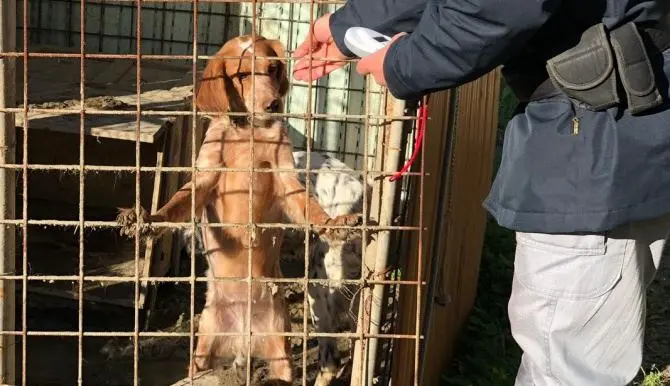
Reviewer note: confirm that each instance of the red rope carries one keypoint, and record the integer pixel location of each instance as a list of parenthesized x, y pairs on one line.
[(422, 113)]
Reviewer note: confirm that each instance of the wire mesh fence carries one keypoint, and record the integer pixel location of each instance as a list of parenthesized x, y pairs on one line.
[(105, 119)]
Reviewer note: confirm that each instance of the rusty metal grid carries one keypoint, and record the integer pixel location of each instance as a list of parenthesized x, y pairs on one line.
[(82, 168), (110, 29)]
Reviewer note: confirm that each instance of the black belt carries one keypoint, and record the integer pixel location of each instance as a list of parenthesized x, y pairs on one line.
[(657, 40)]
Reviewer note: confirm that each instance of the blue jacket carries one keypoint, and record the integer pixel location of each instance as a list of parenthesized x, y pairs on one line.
[(616, 170)]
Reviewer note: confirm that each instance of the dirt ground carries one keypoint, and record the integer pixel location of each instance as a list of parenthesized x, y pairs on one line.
[(108, 361), (99, 103)]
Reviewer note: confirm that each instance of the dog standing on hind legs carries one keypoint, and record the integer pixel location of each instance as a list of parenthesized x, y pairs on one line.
[(223, 197)]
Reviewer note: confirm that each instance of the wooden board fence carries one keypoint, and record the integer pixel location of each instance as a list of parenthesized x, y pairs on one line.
[(460, 148)]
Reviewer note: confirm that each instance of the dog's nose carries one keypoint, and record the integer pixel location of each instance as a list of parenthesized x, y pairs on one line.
[(274, 106)]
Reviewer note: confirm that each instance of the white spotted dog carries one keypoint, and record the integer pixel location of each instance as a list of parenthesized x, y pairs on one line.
[(334, 255)]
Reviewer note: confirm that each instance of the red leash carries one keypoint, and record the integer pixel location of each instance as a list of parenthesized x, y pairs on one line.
[(422, 113)]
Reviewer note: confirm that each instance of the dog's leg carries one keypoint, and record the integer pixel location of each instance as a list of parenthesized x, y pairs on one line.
[(323, 318), (319, 297), (240, 367), (293, 195), (203, 350), (277, 352), (294, 200), (210, 155), (178, 208)]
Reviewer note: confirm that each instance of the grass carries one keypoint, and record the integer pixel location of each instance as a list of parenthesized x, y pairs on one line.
[(487, 355), (654, 378)]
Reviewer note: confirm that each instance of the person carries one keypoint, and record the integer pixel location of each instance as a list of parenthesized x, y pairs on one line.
[(584, 179)]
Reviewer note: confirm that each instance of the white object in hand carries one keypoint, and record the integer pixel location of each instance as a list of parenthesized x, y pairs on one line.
[(364, 41)]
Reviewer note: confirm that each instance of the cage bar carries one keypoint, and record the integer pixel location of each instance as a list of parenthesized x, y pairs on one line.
[(8, 183)]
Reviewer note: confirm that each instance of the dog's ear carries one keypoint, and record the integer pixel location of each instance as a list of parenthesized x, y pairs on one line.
[(212, 93), (282, 77)]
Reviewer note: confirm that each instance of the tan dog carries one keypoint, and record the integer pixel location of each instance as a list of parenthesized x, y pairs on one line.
[(223, 197)]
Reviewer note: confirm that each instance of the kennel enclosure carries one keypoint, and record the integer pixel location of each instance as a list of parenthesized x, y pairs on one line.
[(102, 105)]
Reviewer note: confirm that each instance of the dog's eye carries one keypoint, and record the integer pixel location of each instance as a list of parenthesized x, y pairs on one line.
[(242, 76), (272, 69)]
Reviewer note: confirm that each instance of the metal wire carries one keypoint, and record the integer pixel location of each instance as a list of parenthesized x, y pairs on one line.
[(163, 279), (73, 55), (170, 113), (150, 334), (250, 233), (417, 321), (82, 178), (308, 165), (138, 90), (364, 268), (24, 246), (177, 169), (194, 128)]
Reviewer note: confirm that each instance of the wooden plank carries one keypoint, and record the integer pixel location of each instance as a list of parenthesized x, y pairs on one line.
[(169, 244), (435, 144), (149, 256), (55, 251), (116, 126), (105, 126), (163, 89), (473, 130), (103, 189), (72, 295)]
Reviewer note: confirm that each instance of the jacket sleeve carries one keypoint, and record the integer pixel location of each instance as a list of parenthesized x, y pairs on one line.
[(457, 41), (388, 17)]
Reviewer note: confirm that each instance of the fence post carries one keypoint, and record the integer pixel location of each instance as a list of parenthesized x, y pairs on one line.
[(376, 255), (392, 158), (8, 186)]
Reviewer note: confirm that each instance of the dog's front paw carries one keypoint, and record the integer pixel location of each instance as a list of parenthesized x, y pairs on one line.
[(347, 220), (129, 222)]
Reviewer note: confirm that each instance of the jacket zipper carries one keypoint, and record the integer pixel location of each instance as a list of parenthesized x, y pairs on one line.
[(575, 118), (575, 125)]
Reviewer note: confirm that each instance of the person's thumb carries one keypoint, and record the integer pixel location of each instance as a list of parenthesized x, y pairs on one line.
[(363, 66), (366, 64)]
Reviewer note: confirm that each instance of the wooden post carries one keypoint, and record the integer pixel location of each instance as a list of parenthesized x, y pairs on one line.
[(463, 122), (8, 192)]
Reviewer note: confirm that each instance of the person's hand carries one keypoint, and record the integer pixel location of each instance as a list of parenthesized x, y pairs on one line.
[(322, 46), (374, 64)]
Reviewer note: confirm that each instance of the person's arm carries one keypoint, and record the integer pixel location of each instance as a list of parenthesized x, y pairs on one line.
[(388, 17), (457, 41)]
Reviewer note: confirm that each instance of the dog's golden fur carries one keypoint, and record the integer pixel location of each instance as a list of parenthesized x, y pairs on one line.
[(223, 197)]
